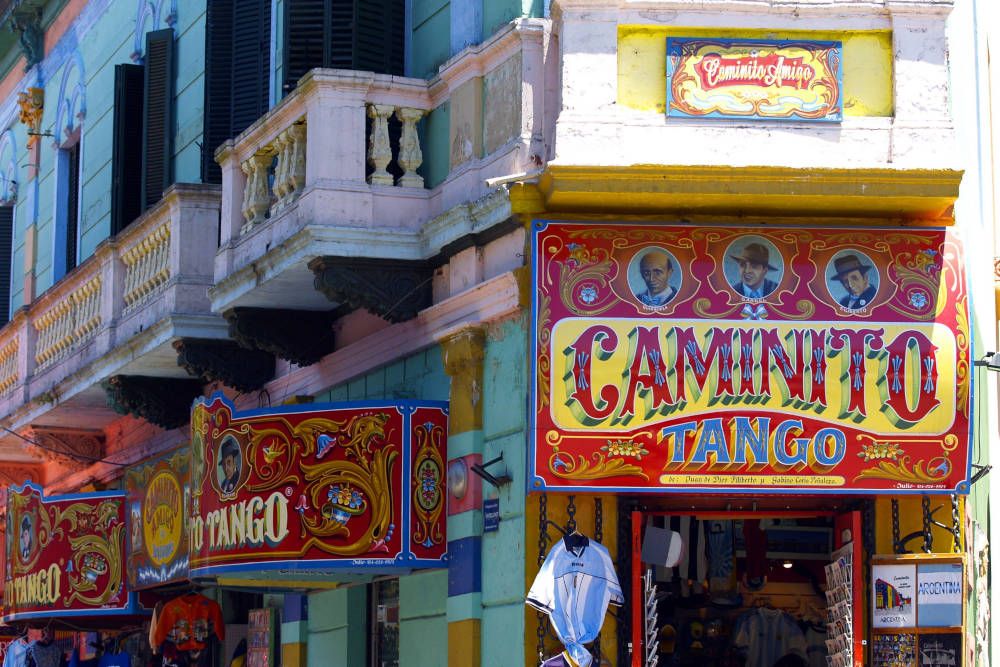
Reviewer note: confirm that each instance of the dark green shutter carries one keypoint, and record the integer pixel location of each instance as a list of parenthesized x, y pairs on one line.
[(72, 204), (218, 88), (237, 73), (379, 36), (6, 259), (306, 39), (367, 35), (158, 132), (126, 152)]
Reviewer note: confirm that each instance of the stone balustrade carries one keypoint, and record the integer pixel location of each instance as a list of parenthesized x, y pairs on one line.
[(338, 128), (159, 265)]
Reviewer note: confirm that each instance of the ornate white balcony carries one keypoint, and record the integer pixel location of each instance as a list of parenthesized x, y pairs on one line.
[(118, 312), (333, 169)]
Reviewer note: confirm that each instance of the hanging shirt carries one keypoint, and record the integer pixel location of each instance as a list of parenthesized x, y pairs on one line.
[(574, 589), (45, 655), (17, 653), (766, 635), (189, 621)]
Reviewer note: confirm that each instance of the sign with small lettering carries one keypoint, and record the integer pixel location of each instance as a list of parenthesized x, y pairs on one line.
[(754, 79), (491, 515), (761, 360), (319, 486)]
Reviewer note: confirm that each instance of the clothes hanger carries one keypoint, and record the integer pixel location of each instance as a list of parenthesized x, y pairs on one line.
[(575, 540)]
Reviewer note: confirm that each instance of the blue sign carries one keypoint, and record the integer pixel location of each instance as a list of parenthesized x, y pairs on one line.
[(491, 515), (939, 595)]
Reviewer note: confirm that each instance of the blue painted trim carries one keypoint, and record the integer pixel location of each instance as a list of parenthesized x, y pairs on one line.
[(399, 564), (69, 496), (674, 48), (537, 484), (401, 405), (465, 572)]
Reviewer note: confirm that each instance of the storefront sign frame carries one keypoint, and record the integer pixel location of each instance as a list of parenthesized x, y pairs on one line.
[(592, 323), (74, 539), (755, 79), (303, 473)]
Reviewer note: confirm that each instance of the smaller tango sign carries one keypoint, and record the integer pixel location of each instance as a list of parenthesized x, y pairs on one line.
[(158, 499), (356, 486), (762, 79), (64, 555)]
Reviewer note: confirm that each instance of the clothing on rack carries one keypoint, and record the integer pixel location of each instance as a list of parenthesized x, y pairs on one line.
[(188, 622), (692, 571), (17, 653), (575, 587), (45, 654), (766, 635)]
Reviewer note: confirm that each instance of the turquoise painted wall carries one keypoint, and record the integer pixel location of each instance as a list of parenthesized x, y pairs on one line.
[(505, 430), (431, 38), (78, 78), (433, 132), (338, 628), (423, 625)]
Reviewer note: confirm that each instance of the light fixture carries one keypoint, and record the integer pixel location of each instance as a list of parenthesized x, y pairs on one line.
[(991, 360), (458, 478), (787, 564)]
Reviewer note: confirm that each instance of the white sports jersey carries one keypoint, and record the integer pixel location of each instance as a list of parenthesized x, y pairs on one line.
[(767, 635), (574, 589)]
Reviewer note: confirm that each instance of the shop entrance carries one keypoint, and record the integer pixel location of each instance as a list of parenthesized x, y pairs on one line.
[(769, 588)]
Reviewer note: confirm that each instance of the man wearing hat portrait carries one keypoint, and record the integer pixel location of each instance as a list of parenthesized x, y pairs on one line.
[(229, 466), (852, 274), (755, 263)]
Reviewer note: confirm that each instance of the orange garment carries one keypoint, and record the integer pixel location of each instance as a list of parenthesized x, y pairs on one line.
[(188, 621)]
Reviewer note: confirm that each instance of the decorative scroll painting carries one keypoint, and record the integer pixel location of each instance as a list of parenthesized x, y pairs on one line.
[(755, 79), (64, 555), (316, 487), (158, 500), (758, 360)]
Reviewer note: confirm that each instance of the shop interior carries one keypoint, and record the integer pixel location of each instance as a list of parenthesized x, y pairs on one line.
[(745, 589)]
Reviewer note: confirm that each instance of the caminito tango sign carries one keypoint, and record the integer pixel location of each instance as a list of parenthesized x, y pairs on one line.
[(763, 79), (772, 359), (295, 488), (64, 555), (158, 499)]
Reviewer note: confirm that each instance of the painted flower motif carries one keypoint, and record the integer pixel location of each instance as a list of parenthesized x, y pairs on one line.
[(918, 299), (588, 294), (624, 448), (880, 450)]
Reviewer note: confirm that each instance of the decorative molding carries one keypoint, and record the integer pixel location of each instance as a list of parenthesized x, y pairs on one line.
[(165, 402), (74, 448), (395, 290), (32, 104), (242, 369), (27, 23), (305, 343), (18, 474)]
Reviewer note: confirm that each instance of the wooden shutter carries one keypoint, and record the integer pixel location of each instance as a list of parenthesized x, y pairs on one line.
[(251, 62), (72, 204), (126, 151), (237, 73), (157, 174), (306, 38), (379, 36), (218, 66), (6, 259)]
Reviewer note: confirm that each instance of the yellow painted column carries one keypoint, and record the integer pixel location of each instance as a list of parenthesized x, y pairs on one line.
[(463, 354)]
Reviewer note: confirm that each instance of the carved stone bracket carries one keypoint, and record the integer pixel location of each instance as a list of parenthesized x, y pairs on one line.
[(28, 26), (75, 448), (300, 336), (395, 290), (165, 402), (225, 361)]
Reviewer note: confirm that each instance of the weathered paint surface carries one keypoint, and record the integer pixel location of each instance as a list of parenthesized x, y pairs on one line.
[(867, 65)]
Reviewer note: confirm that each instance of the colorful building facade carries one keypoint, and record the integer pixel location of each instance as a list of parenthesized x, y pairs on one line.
[(249, 241)]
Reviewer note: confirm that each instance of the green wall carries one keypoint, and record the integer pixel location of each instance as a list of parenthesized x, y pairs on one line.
[(87, 53)]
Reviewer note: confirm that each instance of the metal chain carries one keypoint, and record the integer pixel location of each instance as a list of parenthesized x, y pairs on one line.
[(543, 540), (570, 514), (598, 537), (896, 546), (956, 526), (925, 503)]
